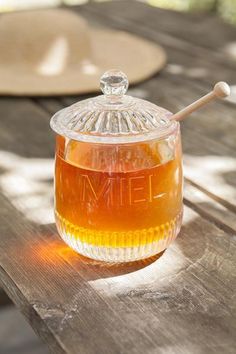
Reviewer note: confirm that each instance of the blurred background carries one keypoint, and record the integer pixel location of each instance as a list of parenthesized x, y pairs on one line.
[(224, 8), (23, 340)]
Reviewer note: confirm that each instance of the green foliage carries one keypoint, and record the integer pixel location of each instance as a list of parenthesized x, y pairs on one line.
[(184, 5), (225, 8)]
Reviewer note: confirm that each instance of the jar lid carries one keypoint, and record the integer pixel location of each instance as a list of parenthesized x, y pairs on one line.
[(113, 117)]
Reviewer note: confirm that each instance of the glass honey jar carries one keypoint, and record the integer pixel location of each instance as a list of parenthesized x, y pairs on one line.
[(118, 175)]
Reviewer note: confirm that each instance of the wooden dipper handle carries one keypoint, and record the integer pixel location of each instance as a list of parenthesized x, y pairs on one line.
[(221, 90)]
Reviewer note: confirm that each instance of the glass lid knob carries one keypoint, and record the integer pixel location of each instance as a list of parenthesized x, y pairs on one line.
[(114, 83)]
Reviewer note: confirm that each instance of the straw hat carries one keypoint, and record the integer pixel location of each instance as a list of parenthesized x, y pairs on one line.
[(54, 52)]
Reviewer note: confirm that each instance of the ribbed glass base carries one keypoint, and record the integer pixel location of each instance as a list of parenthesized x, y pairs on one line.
[(140, 244)]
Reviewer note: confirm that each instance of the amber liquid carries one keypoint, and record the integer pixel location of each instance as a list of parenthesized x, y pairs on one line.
[(107, 200)]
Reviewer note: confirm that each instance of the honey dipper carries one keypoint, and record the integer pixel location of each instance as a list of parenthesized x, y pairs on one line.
[(220, 90)]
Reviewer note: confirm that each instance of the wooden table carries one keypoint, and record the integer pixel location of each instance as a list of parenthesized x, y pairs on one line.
[(183, 302)]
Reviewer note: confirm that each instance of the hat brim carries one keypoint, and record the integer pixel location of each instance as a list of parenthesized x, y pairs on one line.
[(137, 57)]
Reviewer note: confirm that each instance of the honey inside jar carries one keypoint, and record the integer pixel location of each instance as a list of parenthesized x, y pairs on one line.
[(125, 196), (118, 174)]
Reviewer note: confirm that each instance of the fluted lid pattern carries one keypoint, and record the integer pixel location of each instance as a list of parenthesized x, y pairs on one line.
[(113, 117)]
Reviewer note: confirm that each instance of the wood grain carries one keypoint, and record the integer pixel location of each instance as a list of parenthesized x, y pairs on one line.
[(129, 309), (182, 301)]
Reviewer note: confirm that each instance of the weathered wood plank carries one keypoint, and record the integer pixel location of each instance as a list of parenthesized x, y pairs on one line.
[(209, 208), (55, 293), (50, 104), (25, 129), (44, 312), (123, 309), (182, 302)]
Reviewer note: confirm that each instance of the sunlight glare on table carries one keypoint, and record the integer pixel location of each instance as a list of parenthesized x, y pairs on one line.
[(28, 183)]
